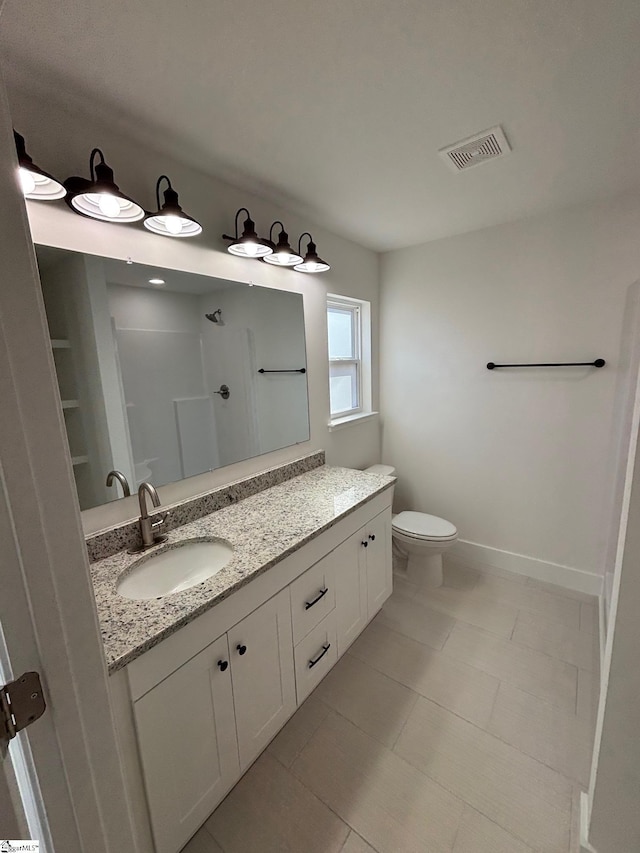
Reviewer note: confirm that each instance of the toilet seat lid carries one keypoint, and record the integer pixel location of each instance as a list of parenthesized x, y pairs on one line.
[(425, 526)]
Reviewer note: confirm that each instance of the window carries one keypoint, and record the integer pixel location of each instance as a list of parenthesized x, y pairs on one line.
[(349, 334)]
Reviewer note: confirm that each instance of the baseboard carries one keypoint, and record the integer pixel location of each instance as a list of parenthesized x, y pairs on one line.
[(565, 576), (585, 847)]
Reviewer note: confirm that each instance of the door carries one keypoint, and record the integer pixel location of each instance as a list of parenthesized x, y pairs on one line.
[(188, 747), (378, 559), (47, 609), (261, 651), (351, 589)]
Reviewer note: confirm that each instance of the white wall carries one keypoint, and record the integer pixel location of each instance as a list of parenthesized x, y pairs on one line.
[(60, 138), (518, 460)]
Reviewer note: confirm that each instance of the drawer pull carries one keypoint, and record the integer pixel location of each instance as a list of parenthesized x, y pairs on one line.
[(320, 595), (223, 664), (241, 648), (325, 649)]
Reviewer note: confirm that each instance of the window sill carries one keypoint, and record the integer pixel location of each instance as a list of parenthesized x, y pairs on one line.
[(350, 420)]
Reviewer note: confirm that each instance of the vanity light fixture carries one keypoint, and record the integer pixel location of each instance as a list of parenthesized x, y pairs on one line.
[(170, 220), (283, 255), (36, 183), (249, 245), (312, 262), (157, 282), (100, 198)]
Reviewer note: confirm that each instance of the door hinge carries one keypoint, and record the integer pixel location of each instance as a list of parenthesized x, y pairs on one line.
[(21, 703)]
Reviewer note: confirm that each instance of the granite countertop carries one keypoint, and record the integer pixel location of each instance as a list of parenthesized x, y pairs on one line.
[(263, 529)]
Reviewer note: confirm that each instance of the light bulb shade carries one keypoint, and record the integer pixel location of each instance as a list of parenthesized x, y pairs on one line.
[(283, 255), (35, 182), (249, 245), (170, 220), (100, 198), (312, 263)]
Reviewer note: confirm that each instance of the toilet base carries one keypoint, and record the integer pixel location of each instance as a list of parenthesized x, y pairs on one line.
[(425, 570)]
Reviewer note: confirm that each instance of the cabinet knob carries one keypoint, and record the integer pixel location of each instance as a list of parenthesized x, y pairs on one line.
[(372, 536), (365, 544), (241, 649), (223, 664)]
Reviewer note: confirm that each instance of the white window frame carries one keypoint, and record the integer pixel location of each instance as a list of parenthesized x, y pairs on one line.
[(361, 320)]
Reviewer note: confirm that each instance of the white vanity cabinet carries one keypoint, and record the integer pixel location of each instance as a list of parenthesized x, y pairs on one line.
[(188, 748), (264, 689), (204, 708), (363, 578), (376, 552), (205, 723)]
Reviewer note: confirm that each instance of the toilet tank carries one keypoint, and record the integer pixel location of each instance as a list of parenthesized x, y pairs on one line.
[(388, 470)]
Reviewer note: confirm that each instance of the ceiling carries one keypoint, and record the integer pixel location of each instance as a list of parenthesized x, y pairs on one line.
[(340, 106)]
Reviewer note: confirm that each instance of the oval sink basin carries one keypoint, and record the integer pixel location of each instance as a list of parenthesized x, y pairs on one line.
[(174, 569)]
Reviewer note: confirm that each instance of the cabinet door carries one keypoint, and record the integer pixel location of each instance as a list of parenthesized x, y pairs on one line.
[(188, 747), (378, 557), (261, 648), (351, 589)]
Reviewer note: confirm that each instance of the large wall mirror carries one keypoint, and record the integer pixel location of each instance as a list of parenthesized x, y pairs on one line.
[(166, 374)]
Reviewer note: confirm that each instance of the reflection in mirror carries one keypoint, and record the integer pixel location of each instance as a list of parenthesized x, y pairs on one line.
[(161, 381)]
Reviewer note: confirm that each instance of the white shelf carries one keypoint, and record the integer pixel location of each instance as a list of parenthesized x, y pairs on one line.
[(60, 343), (79, 460), (70, 404)]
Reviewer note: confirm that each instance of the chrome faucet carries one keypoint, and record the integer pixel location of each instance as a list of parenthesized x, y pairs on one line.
[(150, 526), (119, 476)]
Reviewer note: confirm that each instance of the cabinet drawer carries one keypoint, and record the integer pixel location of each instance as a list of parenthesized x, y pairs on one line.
[(315, 655), (313, 596)]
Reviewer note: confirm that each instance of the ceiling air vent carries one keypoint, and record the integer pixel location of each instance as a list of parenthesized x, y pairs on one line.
[(476, 149)]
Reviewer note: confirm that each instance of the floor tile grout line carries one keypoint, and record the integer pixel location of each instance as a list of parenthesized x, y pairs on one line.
[(515, 624), (289, 770), (401, 758), (209, 833), (493, 595), (422, 695), (470, 805), (546, 654), (520, 646), (313, 793), (475, 667), (570, 781), (368, 734), (497, 737), (456, 618), (397, 737)]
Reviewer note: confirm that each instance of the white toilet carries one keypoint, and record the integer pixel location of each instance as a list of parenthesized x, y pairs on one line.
[(421, 538)]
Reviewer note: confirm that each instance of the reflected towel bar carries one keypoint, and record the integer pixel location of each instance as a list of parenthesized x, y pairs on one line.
[(599, 362), (293, 370)]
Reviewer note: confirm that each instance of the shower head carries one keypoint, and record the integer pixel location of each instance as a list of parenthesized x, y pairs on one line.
[(216, 317)]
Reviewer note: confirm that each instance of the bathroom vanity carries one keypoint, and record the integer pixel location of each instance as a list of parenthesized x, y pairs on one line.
[(203, 679)]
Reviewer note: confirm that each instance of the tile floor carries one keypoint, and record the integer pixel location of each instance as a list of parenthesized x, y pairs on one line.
[(460, 721)]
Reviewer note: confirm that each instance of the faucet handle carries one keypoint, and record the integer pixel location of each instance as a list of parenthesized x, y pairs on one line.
[(161, 520)]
